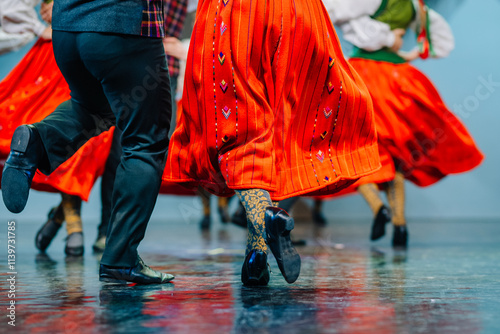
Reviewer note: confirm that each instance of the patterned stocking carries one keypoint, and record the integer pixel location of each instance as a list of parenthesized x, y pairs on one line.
[(255, 202), (71, 207), (396, 196), (371, 195)]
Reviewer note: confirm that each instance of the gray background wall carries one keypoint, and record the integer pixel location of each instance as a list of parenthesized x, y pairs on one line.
[(458, 78)]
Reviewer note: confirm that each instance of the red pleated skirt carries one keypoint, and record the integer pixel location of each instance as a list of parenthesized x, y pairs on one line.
[(270, 103), (33, 89), (417, 133)]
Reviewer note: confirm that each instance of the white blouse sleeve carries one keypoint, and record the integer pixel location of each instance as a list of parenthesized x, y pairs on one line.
[(19, 16), (442, 39), (342, 11), (12, 42), (368, 34)]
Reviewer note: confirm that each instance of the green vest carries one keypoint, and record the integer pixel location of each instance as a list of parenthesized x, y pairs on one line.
[(397, 14)]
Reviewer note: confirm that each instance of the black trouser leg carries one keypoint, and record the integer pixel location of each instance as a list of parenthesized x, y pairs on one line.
[(124, 76), (108, 181)]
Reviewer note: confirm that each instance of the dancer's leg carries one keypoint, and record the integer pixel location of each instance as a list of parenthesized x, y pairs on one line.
[(371, 194), (72, 206), (255, 202), (107, 183), (396, 196)]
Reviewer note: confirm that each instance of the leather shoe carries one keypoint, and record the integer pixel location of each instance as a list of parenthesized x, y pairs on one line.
[(140, 274), (74, 244), (378, 228), (48, 231), (400, 237), (255, 271), (278, 227), (26, 151), (99, 244)]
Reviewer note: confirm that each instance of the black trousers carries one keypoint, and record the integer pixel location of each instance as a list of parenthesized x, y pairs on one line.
[(108, 176), (122, 80)]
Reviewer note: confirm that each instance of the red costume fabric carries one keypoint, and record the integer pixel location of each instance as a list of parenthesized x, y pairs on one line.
[(417, 133), (32, 90), (270, 103)]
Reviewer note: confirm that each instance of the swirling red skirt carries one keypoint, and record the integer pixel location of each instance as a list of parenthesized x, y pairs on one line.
[(417, 133), (270, 103)]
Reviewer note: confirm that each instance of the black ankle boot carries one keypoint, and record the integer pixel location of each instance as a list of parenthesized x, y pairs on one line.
[(278, 227), (49, 230), (255, 271), (26, 152), (400, 237), (381, 219)]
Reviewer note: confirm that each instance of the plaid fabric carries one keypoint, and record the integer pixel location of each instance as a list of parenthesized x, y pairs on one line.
[(175, 14), (152, 19)]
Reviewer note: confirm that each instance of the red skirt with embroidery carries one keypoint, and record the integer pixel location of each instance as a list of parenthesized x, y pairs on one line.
[(270, 103), (417, 133), (33, 89)]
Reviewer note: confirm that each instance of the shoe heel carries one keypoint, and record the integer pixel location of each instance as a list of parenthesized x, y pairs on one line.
[(286, 223), (21, 139)]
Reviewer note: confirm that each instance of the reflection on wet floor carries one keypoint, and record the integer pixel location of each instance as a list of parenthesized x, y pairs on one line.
[(446, 284)]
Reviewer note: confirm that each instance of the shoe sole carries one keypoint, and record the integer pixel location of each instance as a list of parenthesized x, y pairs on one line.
[(74, 251), (287, 257), (120, 281), (15, 185), (97, 249)]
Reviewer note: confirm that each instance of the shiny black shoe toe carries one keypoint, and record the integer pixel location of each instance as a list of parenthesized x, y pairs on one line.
[(381, 219), (400, 237), (48, 231), (140, 274), (278, 227), (26, 151), (255, 271)]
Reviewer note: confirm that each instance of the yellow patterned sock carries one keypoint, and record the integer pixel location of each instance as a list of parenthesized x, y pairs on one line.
[(255, 202), (371, 195), (72, 207), (396, 196)]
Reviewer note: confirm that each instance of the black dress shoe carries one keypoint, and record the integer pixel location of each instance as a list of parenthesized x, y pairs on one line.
[(255, 271), (140, 274), (26, 152), (278, 227), (48, 231), (400, 237), (381, 219), (205, 222), (239, 218), (74, 244)]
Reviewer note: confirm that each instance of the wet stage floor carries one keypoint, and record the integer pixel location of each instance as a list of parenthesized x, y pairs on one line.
[(448, 281)]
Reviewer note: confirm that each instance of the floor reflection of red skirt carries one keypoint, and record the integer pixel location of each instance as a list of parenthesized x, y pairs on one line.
[(417, 133), (33, 89), (270, 103)]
